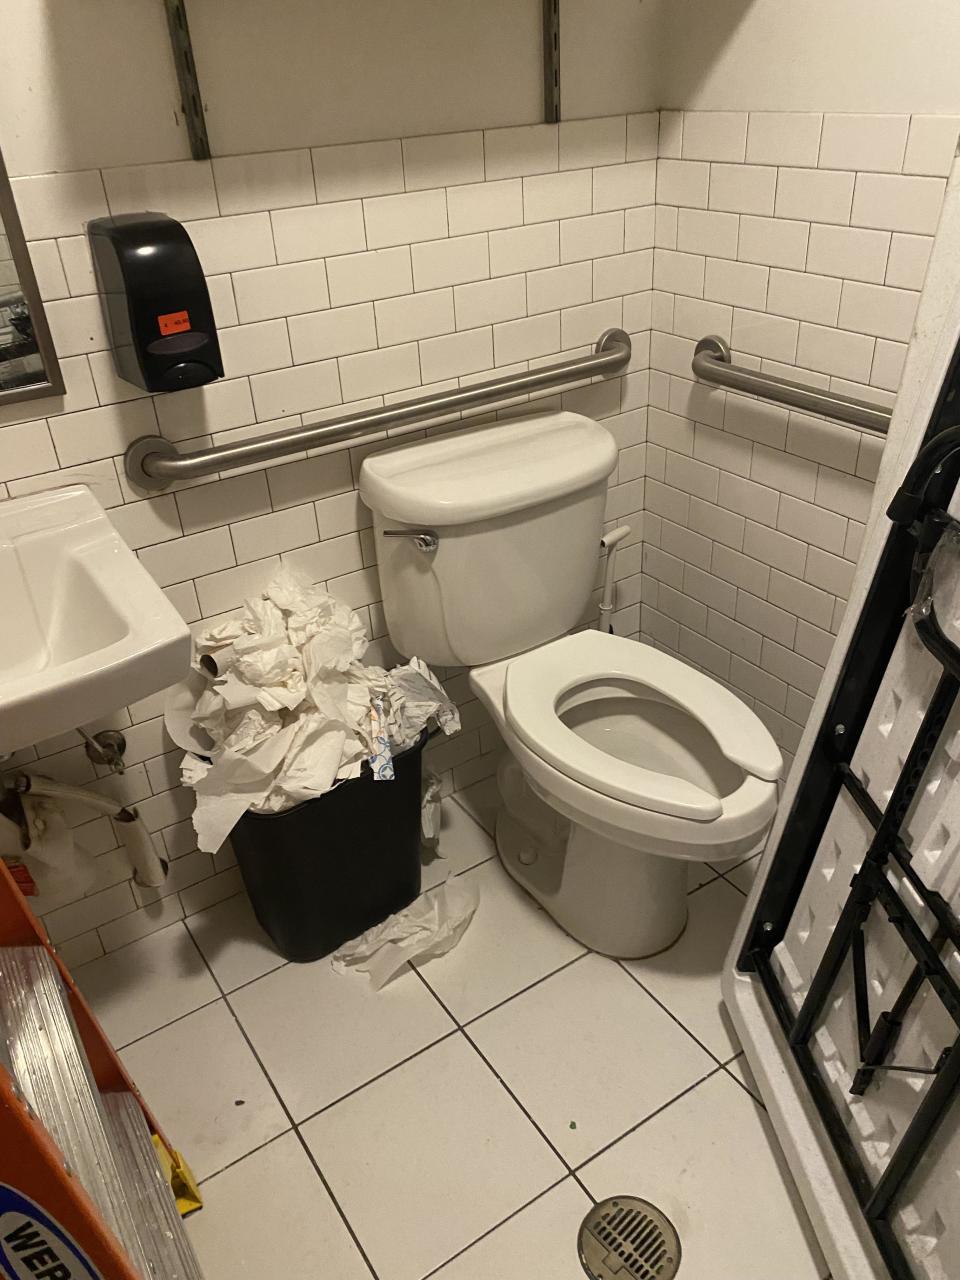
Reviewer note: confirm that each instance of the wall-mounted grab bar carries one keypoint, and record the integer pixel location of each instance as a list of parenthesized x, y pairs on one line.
[(711, 362), (154, 463)]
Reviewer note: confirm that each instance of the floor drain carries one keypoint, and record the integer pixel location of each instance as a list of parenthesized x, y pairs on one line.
[(626, 1237)]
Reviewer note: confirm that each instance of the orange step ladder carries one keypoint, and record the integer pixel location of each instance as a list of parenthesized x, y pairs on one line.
[(50, 1227)]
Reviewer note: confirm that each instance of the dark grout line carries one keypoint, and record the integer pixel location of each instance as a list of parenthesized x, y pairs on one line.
[(503, 1084), (457, 1029), (210, 905), (282, 964), (523, 990), (457, 1026), (379, 1076), (336, 1203), (454, 797), (749, 1092), (462, 1026), (639, 1125), (285, 964), (706, 884), (473, 866), (232, 991), (572, 1171), (240, 1159), (734, 885), (452, 875), (497, 1225), (293, 1125), (682, 1026), (172, 1023)]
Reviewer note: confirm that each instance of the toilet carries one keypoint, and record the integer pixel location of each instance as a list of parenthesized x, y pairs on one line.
[(625, 764)]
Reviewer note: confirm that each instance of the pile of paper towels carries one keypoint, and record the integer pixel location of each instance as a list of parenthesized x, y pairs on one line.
[(280, 707)]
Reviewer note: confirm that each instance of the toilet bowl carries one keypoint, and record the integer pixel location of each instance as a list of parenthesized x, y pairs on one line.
[(624, 764), (649, 764)]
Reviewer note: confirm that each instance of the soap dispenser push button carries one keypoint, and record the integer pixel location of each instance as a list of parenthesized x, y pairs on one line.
[(177, 343)]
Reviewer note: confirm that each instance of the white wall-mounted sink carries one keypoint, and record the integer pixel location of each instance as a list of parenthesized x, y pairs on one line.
[(84, 627)]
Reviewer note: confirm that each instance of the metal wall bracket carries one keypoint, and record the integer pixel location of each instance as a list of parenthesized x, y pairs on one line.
[(191, 100), (551, 61)]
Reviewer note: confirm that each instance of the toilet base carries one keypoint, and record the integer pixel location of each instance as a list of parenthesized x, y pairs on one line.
[(614, 898)]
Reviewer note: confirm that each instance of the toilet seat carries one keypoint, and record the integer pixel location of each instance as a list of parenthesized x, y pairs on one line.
[(536, 681)]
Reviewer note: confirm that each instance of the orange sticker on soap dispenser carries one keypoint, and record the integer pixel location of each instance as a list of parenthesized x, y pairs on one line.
[(174, 322)]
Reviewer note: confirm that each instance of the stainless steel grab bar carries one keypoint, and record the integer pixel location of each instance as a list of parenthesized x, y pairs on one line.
[(153, 462), (711, 362)]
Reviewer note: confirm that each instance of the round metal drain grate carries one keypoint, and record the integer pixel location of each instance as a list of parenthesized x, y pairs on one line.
[(625, 1237)]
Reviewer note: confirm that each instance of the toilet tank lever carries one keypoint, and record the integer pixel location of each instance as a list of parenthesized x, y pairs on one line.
[(425, 539)]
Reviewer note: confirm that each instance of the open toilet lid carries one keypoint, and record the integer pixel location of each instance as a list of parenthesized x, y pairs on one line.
[(537, 680)]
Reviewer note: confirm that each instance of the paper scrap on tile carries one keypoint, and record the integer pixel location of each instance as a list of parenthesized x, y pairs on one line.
[(429, 927), (55, 860), (430, 808), (289, 709)]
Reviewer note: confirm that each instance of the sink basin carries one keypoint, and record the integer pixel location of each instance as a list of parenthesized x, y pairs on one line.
[(85, 628)]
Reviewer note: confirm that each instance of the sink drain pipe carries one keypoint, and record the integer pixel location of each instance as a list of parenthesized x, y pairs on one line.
[(149, 869)]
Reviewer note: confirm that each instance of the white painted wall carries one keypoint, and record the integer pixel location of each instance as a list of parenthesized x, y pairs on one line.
[(760, 55), (610, 56), (296, 73), (820, 55), (85, 83), (91, 83)]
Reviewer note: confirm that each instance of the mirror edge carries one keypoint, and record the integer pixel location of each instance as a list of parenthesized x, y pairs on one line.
[(10, 221)]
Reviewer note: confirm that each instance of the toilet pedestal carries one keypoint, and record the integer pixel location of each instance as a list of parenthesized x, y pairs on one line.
[(615, 899)]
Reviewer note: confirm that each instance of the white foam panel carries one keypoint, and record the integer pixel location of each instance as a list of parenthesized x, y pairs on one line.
[(927, 1220), (928, 1224), (895, 716)]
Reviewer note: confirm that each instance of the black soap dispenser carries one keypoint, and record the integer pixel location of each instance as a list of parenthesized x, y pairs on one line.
[(156, 302)]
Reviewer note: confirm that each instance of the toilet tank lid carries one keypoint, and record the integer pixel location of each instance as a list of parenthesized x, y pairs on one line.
[(473, 475)]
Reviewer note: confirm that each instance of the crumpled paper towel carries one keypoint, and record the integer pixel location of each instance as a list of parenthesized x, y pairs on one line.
[(289, 710), (429, 927), (430, 815), (57, 863)]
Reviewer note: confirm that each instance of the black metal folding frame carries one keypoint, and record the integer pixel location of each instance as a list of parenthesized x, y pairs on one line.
[(918, 523)]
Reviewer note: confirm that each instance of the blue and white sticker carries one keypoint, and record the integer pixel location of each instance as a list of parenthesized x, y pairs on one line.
[(34, 1247)]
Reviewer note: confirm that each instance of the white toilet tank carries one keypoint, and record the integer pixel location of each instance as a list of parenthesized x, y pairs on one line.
[(518, 513)]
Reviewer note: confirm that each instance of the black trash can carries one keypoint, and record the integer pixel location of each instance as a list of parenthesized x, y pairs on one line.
[(332, 867)]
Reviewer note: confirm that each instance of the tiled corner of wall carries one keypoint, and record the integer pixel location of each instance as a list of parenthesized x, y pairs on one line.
[(341, 277), (803, 240), (357, 275)]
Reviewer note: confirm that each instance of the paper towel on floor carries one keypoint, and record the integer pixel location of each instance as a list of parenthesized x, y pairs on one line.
[(430, 812), (56, 862), (281, 707), (429, 927)]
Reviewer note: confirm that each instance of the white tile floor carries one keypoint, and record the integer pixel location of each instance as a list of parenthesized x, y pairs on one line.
[(458, 1123)]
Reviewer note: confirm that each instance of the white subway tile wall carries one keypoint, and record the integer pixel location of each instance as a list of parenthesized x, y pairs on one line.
[(803, 239), (351, 276), (343, 277)]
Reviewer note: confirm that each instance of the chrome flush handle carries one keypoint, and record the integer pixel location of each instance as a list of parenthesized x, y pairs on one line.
[(424, 539)]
